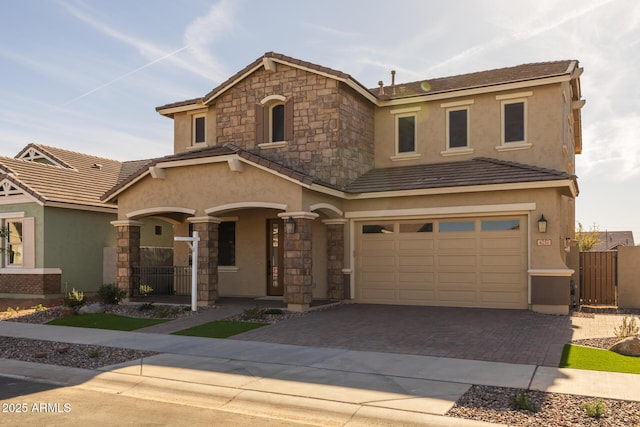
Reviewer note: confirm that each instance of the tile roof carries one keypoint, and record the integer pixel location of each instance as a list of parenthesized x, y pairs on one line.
[(611, 240), (479, 79), (478, 171), (81, 181), (519, 73), (216, 151)]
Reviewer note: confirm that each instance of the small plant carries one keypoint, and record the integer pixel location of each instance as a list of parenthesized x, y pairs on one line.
[(95, 353), (273, 311), (521, 402), (146, 306), (39, 307), (74, 298), (627, 328), (145, 290), (594, 409), (255, 313), (111, 294)]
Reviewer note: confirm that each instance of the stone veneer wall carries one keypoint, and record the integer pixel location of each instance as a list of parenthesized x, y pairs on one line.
[(333, 127)]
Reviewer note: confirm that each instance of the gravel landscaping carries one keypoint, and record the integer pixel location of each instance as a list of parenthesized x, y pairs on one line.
[(483, 403)]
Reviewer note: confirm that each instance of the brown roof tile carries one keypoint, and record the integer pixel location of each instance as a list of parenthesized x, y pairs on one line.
[(82, 180), (479, 79), (478, 171)]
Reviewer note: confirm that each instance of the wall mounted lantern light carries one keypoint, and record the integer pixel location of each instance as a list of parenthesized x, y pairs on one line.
[(290, 225), (542, 224)]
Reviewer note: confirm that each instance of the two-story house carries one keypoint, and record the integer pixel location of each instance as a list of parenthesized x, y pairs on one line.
[(303, 183)]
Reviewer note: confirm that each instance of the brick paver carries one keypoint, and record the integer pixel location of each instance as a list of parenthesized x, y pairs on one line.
[(511, 336)]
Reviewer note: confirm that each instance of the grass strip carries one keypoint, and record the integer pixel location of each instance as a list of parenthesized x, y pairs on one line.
[(595, 359), (106, 321), (220, 329)]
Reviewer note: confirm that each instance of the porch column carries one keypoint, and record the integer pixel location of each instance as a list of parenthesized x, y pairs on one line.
[(298, 260), (127, 255), (207, 228), (335, 257)]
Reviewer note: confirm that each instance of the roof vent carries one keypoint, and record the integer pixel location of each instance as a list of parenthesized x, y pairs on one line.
[(393, 82), (381, 89), (97, 166)]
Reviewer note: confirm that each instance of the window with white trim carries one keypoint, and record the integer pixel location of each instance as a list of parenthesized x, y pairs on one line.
[(513, 121), (276, 123), (198, 128), (405, 133), (13, 243), (457, 128)]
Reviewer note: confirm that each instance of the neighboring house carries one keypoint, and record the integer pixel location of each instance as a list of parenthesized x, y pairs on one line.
[(612, 240), (58, 226), (304, 184)]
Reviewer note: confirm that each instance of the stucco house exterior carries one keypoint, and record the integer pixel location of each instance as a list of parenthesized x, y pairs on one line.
[(50, 201), (304, 184)]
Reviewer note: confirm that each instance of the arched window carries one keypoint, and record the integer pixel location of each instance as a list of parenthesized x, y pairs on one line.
[(274, 120)]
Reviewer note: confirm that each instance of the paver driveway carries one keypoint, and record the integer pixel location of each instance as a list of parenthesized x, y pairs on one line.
[(512, 336)]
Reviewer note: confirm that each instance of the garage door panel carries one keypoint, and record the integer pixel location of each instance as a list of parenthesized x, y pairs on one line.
[(501, 261), (460, 278), (417, 261), (378, 245), (457, 260), (380, 295), (422, 245), (421, 296), (457, 296), (501, 279), (416, 279), (457, 244), (380, 261), (501, 297)]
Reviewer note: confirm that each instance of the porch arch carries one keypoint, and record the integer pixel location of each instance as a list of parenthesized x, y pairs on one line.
[(171, 214), (330, 210), (215, 210)]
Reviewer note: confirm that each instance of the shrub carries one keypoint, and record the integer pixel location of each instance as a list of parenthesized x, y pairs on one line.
[(74, 298), (39, 307), (273, 311), (145, 290), (521, 402), (594, 409), (627, 328), (255, 313), (111, 294), (94, 353)]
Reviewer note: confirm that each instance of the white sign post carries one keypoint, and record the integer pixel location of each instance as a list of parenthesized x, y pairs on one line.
[(193, 245)]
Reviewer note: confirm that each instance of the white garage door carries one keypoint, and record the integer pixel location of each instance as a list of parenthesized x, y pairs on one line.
[(465, 262)]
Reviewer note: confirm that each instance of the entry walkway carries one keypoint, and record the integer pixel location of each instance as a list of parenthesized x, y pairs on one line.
[(325, 386)]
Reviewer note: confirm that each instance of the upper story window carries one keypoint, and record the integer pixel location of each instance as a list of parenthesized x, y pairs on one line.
[(198, 129), (457, 127), (274, 121), (513, 118), (405, 133), (513, 121)]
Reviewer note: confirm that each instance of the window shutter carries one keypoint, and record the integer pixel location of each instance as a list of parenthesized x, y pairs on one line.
[(28, 243), (288, 120), (259, 124)]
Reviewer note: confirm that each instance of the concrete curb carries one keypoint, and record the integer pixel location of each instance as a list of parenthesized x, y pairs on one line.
[(325, 412)]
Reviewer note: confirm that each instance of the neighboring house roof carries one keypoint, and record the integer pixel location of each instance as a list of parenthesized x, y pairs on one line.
[(54, 176), (479, 171), (501, 76), (611, 240)]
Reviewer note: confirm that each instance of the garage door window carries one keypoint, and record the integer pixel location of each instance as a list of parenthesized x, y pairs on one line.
[(458, 226), (377, 229), (502, 225), (418, 227)]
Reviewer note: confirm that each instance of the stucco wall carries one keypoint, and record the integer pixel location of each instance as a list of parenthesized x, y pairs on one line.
[(629, 277), (545, 130), (74, 242)]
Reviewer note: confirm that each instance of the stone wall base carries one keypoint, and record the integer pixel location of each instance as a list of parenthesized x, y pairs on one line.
[(36, 285)]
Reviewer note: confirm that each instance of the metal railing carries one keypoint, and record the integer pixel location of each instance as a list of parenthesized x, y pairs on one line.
[(164, 280)]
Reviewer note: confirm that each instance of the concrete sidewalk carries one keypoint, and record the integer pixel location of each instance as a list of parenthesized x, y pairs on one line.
[(320, 385)]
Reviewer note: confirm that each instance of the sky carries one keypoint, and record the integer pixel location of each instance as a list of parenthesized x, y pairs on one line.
[(88, 75)]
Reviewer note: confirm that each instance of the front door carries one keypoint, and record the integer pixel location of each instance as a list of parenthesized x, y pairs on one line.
[(275, 257)]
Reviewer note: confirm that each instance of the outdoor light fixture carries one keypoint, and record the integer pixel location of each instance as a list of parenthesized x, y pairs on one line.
[(290, 225), (542, 224)]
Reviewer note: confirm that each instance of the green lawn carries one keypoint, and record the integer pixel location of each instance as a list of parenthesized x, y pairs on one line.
[(106, 321), (220, 329), (595, 359)]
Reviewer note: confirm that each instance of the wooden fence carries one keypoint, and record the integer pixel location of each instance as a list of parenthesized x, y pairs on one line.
[(599, 278)]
